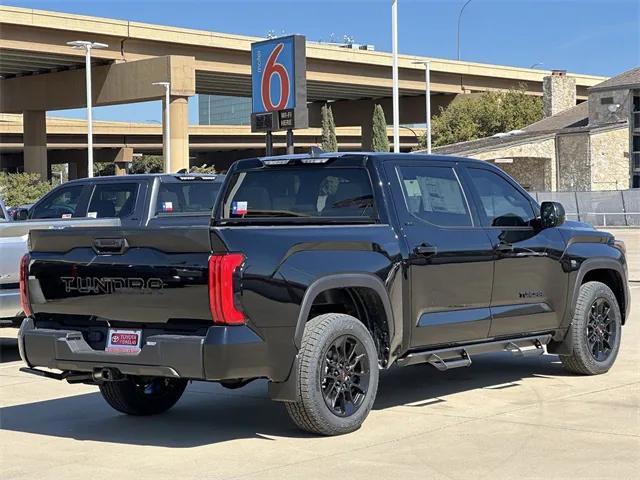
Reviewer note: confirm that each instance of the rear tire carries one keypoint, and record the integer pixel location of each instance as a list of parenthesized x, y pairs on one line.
[(337, 376), (143, 395), (595, 332)]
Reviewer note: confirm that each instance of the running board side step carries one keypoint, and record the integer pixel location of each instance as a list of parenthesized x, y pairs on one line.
[(460, 356)]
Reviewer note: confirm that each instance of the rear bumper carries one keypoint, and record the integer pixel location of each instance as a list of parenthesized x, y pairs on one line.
[(10, 303), (223, 353)]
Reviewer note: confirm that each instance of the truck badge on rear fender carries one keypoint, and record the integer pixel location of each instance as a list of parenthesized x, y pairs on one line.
[(107, 285)]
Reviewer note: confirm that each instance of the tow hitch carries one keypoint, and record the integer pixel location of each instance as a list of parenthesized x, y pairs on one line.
[(98, 376)]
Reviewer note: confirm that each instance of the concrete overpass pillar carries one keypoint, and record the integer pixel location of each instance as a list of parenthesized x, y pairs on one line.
[(35, 142), (179, 113)]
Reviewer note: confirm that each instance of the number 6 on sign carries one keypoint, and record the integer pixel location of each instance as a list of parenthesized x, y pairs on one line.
[(272, 68)]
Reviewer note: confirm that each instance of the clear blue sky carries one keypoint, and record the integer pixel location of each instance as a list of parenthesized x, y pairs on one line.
[(599, 37)]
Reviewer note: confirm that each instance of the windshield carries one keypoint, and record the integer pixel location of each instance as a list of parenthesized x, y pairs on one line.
[(187, 197), (305, 192)]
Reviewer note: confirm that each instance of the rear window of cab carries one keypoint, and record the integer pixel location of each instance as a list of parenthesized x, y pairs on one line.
[(311, 192), (193, 196)]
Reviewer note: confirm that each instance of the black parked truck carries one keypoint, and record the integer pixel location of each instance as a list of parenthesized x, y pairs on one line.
[(316, 272)]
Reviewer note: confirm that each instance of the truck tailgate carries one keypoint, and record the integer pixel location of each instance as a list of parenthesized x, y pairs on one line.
[(139, 275)]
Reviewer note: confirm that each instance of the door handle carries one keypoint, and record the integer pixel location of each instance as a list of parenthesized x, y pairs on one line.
[(425, 250), (504, 247), (110, 245)]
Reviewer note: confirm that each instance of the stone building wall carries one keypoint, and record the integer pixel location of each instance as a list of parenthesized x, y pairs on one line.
[(599, 113), (574, 166), (609, 151), (537, 154), (534, 174)]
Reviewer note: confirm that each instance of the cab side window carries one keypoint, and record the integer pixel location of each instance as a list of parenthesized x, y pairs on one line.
[(434, 194), (502, 203), (113, 200), (61, 204)]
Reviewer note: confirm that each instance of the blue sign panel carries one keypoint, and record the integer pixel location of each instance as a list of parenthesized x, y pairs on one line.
[(273, 75)]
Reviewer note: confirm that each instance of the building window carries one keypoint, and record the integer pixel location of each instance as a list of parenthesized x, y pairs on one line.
[(224, 110)]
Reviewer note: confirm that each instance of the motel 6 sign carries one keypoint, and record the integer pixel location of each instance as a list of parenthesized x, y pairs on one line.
[(279, 84)]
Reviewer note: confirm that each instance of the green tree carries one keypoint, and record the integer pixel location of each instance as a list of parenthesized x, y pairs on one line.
[(147, 164), (103, 169), (472, 117), (20, 188), (329, 140), (203, 169), (380, 141)]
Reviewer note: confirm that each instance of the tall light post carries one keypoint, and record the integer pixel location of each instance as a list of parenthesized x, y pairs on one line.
[(396, 102), (166, 126), (460, 18), (88, 46), (427, 93)]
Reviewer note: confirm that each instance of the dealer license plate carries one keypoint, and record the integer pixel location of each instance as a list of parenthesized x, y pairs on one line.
[(123, 341)]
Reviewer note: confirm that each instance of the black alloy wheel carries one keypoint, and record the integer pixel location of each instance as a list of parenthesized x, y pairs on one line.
[(600, 331), (345, 376)]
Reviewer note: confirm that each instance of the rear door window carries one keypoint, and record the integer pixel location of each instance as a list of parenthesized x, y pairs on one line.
[(62, 203), (187, 197), (434, 194), (113, 200), (307, 191)]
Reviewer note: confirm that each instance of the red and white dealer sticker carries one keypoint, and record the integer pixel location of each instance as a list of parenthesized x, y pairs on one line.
[(123, 341)]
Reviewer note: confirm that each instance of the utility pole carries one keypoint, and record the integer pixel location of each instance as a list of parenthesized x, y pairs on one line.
[(396, 102)]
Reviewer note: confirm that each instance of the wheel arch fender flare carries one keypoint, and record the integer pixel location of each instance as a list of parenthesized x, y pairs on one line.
[(344, 280), (560, 344), (591, 264)]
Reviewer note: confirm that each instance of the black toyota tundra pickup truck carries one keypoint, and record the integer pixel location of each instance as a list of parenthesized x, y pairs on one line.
[(316, 272)]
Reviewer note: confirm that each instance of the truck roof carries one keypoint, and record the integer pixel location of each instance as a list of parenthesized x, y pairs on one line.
[(375, 156), (218, 177)]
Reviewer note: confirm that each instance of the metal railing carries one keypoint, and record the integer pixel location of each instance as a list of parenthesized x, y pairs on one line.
[(609, 208)]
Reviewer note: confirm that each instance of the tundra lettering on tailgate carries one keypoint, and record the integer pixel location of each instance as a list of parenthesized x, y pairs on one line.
[(110, 284)]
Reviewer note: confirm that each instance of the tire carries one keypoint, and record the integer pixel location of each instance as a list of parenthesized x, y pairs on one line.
[(589, 323), (143, 395), (333, 399)]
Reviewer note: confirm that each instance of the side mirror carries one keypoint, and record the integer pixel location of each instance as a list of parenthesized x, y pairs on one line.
[(551, 214), (21, 214)]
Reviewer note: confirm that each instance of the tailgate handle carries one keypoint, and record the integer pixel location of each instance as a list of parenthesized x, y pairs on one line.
[(110, 245)]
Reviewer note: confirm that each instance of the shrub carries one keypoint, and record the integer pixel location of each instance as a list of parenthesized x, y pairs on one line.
[(20, 188)]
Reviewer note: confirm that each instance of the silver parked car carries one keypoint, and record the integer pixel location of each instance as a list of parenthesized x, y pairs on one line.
[(13, 245)]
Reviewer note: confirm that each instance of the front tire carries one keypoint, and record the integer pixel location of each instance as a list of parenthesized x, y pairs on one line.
[(337, 376), (594, 334), (143, 395)]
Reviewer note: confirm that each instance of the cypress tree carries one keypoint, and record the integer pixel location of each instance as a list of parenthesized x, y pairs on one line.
[(329, 140), (380, 140)]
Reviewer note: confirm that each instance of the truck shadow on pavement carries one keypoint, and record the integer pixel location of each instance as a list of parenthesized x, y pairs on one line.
[(209, 414)]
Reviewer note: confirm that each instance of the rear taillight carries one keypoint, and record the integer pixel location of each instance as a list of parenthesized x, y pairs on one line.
[(24, 286), (221, 291)]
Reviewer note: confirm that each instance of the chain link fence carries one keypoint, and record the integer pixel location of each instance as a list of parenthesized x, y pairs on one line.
[(615, 208)]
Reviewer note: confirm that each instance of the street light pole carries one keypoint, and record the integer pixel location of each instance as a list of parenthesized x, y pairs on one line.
[(460, 18), (166, 126), (396, 102), (87, 46)]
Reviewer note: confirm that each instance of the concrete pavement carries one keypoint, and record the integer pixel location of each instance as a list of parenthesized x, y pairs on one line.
[(631, 238), (501, 418)]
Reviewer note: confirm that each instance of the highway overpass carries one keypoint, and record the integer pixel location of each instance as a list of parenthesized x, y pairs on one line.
[(40, 73)]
